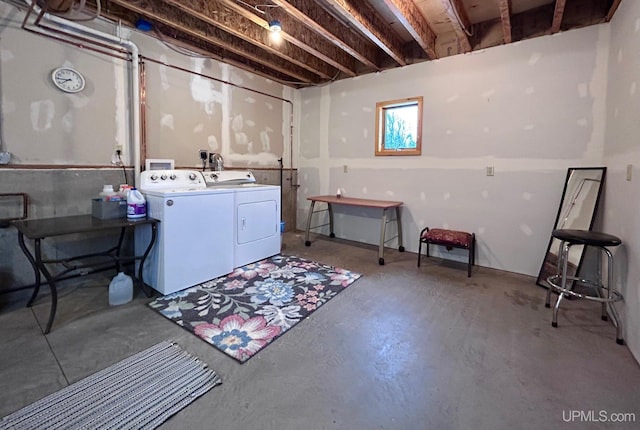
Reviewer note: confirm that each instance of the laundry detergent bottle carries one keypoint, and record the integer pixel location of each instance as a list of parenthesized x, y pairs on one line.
[(136, 204)]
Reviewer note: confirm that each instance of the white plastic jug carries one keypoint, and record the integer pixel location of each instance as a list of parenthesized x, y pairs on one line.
[(120, 289), (136, 204), (107, 193)]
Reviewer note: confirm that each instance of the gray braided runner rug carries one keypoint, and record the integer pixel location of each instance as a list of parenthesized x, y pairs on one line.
[(140, 392)]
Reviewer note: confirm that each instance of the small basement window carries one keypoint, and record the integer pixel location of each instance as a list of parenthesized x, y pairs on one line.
[(399, 127)]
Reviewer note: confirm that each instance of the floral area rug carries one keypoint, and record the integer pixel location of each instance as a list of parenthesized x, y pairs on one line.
[(246, 310)]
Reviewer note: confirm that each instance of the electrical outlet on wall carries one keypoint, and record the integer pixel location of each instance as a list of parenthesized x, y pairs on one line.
[(490, 171), (116, 157)]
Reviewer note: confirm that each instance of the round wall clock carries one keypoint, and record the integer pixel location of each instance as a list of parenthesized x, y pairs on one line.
[(68, 79)]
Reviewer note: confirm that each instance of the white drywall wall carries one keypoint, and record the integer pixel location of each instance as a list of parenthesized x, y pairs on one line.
[(530, 109), (185, 112), (622, 148)]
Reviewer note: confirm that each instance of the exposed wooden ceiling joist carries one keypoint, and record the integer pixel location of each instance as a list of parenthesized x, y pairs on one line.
[(331, 29), (212, 35), (216, 13), (558, 13), (459, 21), (612, 10), (326, 40), (189, 42), (505, 18), (295, 33), (364, 17), (411, 18)]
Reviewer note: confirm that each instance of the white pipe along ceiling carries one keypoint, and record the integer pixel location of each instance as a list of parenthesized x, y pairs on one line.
[(73, 29)]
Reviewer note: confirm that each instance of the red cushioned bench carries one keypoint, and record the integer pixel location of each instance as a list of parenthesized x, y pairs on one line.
[(449, 239)]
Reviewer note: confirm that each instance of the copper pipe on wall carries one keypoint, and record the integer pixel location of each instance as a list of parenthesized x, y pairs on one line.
[(60, 166), (124, 54), (115, 43), (222, 81), (143, 112)]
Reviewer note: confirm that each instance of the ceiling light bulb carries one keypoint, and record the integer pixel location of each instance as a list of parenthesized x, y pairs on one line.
[(275, 36), (274, 26)]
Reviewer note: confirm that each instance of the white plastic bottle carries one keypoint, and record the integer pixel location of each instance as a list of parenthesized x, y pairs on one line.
[(123, 190), (108, 193), (136, 204), (120, 289)]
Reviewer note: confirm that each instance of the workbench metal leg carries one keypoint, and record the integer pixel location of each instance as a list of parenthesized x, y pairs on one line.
[(309, 216), (119, 248), (52, 285), (330, 208), (383, 226), (36, 271), (399, 223), (154, 234)]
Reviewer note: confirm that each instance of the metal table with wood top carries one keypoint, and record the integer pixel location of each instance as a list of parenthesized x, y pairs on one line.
[(40, 229), (363, 203)]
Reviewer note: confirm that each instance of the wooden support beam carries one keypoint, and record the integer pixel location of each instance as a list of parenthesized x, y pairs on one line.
[(207, 34), (202, 47), (460, 22), (505, 19), (612, 10), (331, 29), (364, 17), (558, 13), (411, 18), (295, 33), (215, 13)]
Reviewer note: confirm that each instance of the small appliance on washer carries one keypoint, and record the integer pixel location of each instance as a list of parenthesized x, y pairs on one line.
[(195, 236), (256, 215)]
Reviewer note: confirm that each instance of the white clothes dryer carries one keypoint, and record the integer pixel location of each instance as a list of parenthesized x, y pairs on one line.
[(256, 215), (195, 233)]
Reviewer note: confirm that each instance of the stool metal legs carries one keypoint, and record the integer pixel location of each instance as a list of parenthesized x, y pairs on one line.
[(563, 254), (611, 298), (558, 283)]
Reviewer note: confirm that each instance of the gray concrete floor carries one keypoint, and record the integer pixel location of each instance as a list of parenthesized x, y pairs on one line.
[(401, 348)]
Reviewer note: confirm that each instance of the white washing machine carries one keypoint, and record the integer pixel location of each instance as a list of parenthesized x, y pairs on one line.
[(195, 233), (256, 215)]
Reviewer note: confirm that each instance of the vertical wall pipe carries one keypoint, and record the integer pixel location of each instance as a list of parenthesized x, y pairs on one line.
[(134, 107)]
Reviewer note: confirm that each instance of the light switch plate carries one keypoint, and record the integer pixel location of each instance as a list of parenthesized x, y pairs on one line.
[(489, 170)]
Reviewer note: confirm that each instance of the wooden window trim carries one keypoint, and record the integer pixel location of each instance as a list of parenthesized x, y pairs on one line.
[(380, 113)]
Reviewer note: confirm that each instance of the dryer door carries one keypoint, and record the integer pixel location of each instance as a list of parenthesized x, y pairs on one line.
[(257, 220)]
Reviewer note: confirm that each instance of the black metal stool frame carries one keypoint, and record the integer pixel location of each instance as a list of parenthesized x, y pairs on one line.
[(558, 283)]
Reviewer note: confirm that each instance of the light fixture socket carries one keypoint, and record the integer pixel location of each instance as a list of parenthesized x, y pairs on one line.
[(275, 26)]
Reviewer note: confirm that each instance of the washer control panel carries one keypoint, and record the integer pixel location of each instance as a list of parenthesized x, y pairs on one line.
[(175, 179), (229, 177)]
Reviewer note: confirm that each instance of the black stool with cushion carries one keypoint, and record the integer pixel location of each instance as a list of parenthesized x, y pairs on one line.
[(563, 284)]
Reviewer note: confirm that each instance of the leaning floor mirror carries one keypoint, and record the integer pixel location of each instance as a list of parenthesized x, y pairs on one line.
[(578, 206)]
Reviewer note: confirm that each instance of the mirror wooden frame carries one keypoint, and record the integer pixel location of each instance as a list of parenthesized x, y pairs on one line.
[(567, 202)]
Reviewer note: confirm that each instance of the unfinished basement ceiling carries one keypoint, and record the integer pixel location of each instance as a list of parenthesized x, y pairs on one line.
[(327, 40)]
